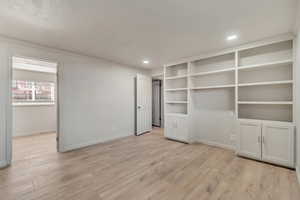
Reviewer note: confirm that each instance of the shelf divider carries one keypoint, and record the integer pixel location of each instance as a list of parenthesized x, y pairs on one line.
[(213, 87), (213, 72), (289, 61), (267, 102), (266, 83)]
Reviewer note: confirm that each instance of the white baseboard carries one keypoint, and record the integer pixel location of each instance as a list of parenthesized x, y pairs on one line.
[(298, 173), (216, 144), (90, 143), (21, 134), (3, 164)]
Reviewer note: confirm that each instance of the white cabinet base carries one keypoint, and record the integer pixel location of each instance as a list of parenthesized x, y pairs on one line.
[(268, 141), (176, 127)]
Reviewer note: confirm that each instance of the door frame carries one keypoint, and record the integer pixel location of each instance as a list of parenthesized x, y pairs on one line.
[(9, 106)]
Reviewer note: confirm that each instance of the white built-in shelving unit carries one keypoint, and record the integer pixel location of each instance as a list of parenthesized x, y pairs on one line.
[(207, 96)]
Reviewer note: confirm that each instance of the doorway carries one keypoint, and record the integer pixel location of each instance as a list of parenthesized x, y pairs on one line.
[(34, 108), (157, 103)]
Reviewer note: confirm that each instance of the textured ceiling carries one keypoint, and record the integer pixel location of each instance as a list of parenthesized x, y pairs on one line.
[(130, 31)]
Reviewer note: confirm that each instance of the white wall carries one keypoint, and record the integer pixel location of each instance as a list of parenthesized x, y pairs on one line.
[(96, 97), (28, 120)]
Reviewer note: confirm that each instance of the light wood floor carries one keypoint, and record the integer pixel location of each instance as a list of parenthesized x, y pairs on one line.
[(145, 167), (30, 147)]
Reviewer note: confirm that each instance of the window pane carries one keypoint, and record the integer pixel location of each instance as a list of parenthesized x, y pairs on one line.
[(22, 90), (44, 91)]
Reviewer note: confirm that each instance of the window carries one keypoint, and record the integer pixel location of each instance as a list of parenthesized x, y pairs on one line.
[(33, 92)]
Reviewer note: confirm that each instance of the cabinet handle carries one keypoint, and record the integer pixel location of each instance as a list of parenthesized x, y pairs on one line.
[(263, 139)]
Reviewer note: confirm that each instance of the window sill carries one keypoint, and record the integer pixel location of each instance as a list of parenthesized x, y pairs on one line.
[(34, 104)]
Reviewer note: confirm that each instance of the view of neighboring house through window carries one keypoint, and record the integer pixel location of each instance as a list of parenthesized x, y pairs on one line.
[(32, 91)]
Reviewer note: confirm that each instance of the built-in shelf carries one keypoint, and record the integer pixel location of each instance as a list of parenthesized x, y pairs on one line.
[(213, 72), (176, 77), (269, 64), (262, 120), (158, 75), (175, 89), (267, 102), (174, 102), (266, 83), (177, 114), (213, 87)]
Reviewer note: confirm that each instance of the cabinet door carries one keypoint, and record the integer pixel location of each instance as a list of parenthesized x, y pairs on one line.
[(182, 129), (249, 144), (176, 127), (278, 143), (170, 127)]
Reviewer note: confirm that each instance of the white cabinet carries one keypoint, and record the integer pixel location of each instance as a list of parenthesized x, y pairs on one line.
[(250, 139), (176, 127), (278, 143), (269, 141)]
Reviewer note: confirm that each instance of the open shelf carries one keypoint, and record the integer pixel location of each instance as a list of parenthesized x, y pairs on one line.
[(213, 80), (266, 83), (178, 108), (174, 102), (267, 102), (269, 64), (273, 112), (281, 92), (177, 114), (275, 52), (176, 89), (213, 72), (180, 96), (213, 64), (176, 70), (213, 87), (176, 77)]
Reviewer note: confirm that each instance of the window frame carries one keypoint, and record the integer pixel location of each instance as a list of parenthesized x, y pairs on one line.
[(33, 101)]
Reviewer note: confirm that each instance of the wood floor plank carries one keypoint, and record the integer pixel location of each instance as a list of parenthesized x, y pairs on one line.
[(144, 167)]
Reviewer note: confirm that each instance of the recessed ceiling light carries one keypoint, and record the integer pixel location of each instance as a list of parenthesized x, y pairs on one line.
[(146, 61), (231, 37)]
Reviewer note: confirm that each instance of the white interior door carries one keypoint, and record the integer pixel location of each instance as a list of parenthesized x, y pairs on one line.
[(143, 104)]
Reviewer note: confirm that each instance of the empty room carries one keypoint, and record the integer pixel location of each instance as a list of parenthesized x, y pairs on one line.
[(163, 100)]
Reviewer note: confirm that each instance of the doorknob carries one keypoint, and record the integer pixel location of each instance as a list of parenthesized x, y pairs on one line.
[(139, 107)]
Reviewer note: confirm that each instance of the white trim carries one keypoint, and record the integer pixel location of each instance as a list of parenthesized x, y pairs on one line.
[(176, 89), (176, 77), (176, 114), (270, 64), (266, 83), (173, 102), (216, 144), (213, 72), (298, 173), (22, 134), (90, 143), (35, 68), (267, 102), (22, 104), (213, 87)]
